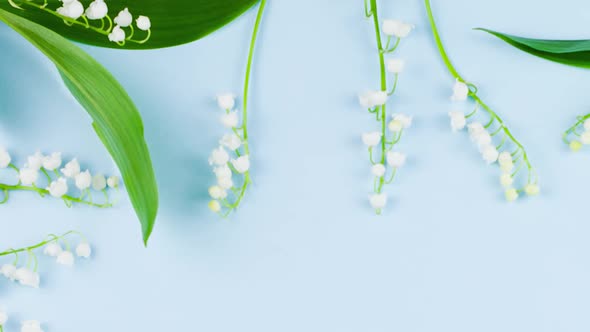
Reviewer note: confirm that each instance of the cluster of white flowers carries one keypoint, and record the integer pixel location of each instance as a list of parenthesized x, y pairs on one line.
[(491, 152), (575, 144), (391, 128), (26, 326), (39, 165), (231, 156), (73, 11), (30, 277)]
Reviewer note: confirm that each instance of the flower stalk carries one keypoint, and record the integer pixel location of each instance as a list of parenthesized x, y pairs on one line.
[(225, 196), (514, 157), (382, 142), (119, 30)]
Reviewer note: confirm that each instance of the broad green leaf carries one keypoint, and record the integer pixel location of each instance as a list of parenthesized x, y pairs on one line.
[(116, 119), (174, 22), (569, 52)]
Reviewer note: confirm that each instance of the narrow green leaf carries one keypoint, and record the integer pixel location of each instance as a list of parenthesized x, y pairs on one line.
[(116, 119), (569, 52), (174, 22)]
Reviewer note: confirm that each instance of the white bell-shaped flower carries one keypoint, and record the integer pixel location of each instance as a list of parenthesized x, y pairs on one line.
[(458, 120), (35, 161), (83, 250), (73, 9), (8, 271), (396, 159), (223, 171), (52, 161), (31, 326), (97, 10), (489, 153), (53, 249), (511, 194), (372, 99), (143, 23), (27, 277), (65, 258), (113, 181), (396, 28), (71, 169), (587, 124), (214, 206), (28, 176), (226, 101), (405, 120), (5, 158), (482, 138), (117, 35), (585, 138), (506, 180), (225, 183), (460, 91), (532, 189), (124, 18), (378, 170), (58, 188), (83, 180), (395, 66), (378, 201), (230, 120), (241, 164), (231, 141), (219, 157), (216, 192), (99, 182), (371, 139)]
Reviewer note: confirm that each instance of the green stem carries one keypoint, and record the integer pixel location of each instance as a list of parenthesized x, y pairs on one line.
[(572, 129), (383, 76), (6, 187), (244, 135), (36, 246)]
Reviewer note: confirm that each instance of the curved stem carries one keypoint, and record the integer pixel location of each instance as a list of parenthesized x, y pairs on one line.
[(439, 45), (43, 192), (35, 246)]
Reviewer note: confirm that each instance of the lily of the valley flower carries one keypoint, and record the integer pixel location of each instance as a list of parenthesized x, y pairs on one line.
[(143, 23), (460, 91), (231, 141), (5, 158), (378, 170), (372, 99), (83, 180), (97, 10), (52, 162), (53, 249), (458, 120), (28, 176), (371, 139), (124, 18), (241, 164), (99, 182), (226, 101), (230, 120), (511, 194), (219, 157), (117, 35), (113, 181), (216, 192), (65, 258), (83, 250), (396, 159), (71, 169), (378, 201), (397, 28), (27, 277), (58, 188), (72, 9)]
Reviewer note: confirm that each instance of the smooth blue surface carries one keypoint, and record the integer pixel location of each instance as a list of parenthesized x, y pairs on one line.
[(305, 253)]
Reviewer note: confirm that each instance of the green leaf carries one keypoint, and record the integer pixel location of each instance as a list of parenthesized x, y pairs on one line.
[(569, 52), (116, 119), (174, 22)]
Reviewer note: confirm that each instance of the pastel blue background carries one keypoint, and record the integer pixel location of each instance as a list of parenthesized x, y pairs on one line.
[(305, 252)]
